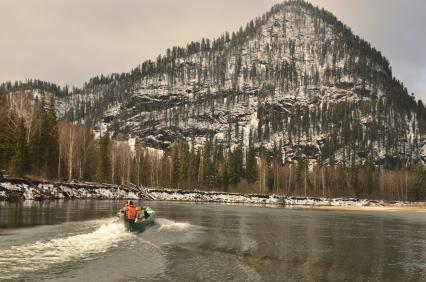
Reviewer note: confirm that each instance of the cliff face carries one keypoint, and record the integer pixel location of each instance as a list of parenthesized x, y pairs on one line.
[(295, 77)]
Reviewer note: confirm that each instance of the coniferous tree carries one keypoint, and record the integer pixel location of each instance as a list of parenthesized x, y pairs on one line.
[(225, 176), (52, 151), (276, 165), (197, 166), (175, 165), (235, 159), (6, 132), (251, 163), (183, 163), (38, 145), (19, 161), (103, 164), (205, 167), (192, 168)]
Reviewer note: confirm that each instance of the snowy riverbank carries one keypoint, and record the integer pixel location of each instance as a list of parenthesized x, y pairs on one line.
[(18, 189)]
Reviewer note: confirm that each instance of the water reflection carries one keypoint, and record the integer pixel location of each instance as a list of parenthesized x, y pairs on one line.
[(305, 245), (31, 213)]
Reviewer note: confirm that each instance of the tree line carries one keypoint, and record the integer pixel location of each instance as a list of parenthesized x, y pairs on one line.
[(29, 137), (36, 145)]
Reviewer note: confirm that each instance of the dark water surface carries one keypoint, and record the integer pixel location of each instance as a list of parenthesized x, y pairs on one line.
[(80, 241)]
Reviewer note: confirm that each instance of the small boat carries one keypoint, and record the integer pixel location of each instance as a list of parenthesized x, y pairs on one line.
[(142, 222)]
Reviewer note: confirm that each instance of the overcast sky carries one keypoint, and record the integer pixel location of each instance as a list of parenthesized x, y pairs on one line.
[(67, 42)]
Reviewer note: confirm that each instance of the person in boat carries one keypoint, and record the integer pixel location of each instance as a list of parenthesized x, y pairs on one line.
[(132, 212), (142, 213), (145, 213), (126, 205)]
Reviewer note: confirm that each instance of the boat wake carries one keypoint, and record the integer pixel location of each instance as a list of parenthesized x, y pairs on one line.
[(43, 254), (167, 224)]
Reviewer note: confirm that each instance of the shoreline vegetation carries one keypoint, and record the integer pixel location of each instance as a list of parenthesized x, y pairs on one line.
[(15, 189)]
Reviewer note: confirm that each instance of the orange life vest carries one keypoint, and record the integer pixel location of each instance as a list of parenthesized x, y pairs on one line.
[(131, 212)]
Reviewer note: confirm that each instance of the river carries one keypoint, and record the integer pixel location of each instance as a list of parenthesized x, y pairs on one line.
[(80, 241)]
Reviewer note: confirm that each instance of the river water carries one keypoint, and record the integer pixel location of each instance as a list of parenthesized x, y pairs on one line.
[(80, 241)]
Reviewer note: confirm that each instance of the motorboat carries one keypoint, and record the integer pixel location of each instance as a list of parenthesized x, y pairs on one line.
[(144, 219)]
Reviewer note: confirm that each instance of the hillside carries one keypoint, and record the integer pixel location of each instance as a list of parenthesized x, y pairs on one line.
[(295, 78)]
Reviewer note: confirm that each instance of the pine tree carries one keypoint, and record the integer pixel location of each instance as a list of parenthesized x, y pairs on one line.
[(39, 147), (19, 162), (6, 132), (205, 165), (165, 171), (251, 163), (175, 165), (52, 150), (354, 180), (192, 168), (103, 164), (225, 176), (276, 164), (197, 166), (240, 161), (235, 159), (183, 163)]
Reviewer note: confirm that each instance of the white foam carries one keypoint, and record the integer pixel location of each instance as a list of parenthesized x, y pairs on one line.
[(43, 254), (166, 224)]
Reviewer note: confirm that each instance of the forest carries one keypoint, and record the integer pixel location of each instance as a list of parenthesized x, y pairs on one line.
[(35, 145)]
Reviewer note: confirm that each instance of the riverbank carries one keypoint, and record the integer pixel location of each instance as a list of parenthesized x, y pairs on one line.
[(13, 189), (409, 207)]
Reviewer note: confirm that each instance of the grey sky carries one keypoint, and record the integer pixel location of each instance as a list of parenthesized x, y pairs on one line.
[(68, 42)]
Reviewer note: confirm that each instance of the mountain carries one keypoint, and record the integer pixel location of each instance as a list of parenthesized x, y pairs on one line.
[(296, 78)]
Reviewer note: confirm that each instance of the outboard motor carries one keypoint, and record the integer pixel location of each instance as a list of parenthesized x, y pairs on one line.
[(123, 217)]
